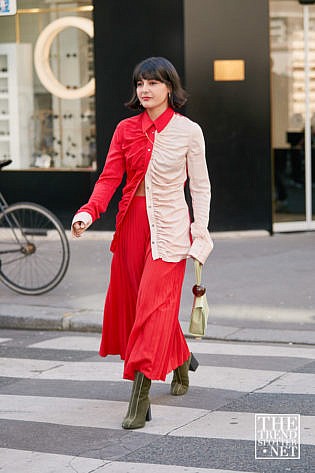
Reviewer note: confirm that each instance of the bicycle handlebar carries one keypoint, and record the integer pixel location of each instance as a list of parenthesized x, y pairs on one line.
[(5, 162)]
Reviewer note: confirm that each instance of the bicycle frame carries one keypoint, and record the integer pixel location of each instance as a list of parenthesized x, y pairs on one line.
[(4, 205)]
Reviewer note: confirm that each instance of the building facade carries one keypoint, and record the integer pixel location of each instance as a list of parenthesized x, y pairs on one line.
[(242, 63)]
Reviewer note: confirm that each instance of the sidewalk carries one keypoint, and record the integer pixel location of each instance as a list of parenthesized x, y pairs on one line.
[(259, 288)]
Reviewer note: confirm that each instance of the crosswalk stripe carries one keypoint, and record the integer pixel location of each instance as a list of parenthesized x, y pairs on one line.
[(218, 377), (26, 461), (91, 413), (167, 420), (91, 343), (243, 349), (30, 462), (292, 383), (237, 426), (3, 340), (86, 343)]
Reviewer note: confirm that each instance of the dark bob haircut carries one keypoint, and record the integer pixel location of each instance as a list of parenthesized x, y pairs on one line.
[(158, 68)]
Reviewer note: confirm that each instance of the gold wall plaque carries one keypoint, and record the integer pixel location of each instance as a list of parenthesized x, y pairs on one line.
[(229, 70)]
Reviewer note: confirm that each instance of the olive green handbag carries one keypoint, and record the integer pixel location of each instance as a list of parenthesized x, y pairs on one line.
[(200, 309)]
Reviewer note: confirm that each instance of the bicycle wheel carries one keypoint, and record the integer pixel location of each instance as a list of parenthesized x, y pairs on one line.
[(34, 249)]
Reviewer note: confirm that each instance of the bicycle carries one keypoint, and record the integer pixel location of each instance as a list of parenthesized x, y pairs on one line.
[(34, 249)]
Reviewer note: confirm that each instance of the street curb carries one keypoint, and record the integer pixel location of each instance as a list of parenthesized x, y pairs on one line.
[(48, 318), (65, 319)]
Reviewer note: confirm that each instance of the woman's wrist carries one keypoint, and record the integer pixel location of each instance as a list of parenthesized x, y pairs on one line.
[(84, 217)]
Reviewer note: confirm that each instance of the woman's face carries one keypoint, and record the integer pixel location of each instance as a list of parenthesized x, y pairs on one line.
[(153, 95)]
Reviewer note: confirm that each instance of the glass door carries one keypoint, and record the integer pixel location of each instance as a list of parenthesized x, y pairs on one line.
[(292, 28)]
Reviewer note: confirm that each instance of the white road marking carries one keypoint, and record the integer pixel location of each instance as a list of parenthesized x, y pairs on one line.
[(237, 426), (218, 377), (91, 413), (171, 420), (37, 462), (91, 343), (292, 383)]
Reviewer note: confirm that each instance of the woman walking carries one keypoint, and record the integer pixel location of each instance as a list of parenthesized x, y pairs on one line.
[(157, 150)]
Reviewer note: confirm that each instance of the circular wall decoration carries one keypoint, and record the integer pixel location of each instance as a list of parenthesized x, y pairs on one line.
[(41, 57)]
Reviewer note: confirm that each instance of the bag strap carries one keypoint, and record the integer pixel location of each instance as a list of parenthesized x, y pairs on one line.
[(198, 271)]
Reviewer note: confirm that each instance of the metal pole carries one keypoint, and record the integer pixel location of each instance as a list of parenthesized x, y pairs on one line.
[(308, 144)]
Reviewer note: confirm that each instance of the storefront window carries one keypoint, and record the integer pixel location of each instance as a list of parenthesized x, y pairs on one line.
[(39, 129), (292, 176)]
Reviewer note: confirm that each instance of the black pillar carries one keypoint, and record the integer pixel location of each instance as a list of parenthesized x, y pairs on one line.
[(235, 115), (127, 32)]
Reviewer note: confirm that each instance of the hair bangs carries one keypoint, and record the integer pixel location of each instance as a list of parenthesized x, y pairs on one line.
[(148, 71)]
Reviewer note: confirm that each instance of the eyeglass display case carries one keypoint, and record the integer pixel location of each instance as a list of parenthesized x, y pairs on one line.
[(16, 103)]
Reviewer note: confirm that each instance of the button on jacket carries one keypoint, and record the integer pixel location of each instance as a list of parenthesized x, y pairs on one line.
[(163, 153)]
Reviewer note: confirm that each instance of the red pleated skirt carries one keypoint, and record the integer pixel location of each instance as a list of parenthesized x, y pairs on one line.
[(142, 303)]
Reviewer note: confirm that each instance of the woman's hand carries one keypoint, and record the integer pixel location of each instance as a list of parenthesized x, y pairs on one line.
[(81, 221), (78, 228)]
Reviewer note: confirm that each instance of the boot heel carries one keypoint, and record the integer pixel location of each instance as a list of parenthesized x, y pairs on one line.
[(149, 414), (193, 365)]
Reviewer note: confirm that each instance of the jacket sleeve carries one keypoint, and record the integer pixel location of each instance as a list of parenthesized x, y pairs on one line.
[(200, 191), (109, 179)]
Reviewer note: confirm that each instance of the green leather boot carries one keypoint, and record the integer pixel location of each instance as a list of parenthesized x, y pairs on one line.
[(180, 383), (139, 410)]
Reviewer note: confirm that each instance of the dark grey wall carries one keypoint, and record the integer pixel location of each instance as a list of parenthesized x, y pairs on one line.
[(60, 191), (235, 116), (127, 32)]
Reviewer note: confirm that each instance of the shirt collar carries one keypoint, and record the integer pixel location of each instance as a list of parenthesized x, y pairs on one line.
[(161, 121)]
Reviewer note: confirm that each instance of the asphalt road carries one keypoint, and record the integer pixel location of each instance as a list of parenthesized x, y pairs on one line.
[(61, 407)]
